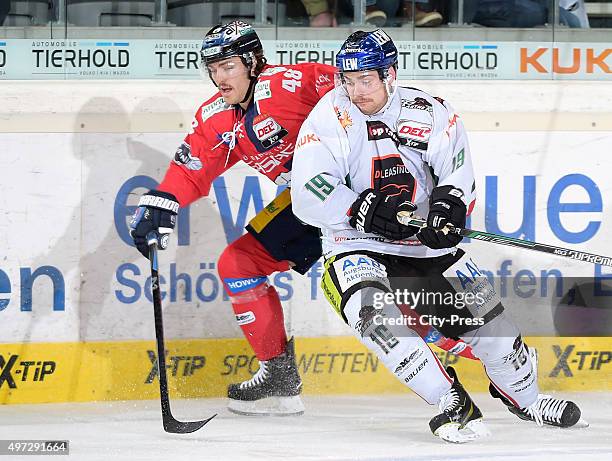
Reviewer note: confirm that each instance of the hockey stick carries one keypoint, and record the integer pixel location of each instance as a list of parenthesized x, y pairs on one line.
[(406, 218), (170, 423)]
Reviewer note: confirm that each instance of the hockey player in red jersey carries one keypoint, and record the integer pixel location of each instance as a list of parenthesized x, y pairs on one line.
[(255, 118)]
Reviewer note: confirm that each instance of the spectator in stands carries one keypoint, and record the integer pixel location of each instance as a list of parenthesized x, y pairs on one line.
[(377, 11), (506, 13), (514, 13), (319, 13), (425, 14), (573, 13), (5, 6)]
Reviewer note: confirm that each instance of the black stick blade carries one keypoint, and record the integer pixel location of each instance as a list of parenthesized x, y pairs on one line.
[(174, 426)]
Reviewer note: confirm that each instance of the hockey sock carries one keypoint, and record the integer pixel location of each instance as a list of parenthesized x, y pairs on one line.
[(243, 267), (432, 335), (260, 315), (499, 347), (455, 347)]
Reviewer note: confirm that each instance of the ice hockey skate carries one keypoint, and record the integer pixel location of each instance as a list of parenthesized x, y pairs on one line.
[(274, 390), (460, 420), (546, 409)]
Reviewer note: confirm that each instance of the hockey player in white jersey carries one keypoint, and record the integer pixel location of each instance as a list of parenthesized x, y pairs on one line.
[(368, 150)]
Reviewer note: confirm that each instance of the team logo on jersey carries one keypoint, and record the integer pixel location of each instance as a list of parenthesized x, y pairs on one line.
[(418, 104), (266, 128), (452, 122), (343, 117), (268, 131), (391, 176), (230, 138), (275, 139), (416, 133), (262, 90), (366, 319), (379, 130)]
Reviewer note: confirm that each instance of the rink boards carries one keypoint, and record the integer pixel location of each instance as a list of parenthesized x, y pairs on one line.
[(74, 372), (76, 319)]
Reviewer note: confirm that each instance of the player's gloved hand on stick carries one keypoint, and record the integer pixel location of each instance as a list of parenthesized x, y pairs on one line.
[(156, 212), (374, 212), (445, 207)]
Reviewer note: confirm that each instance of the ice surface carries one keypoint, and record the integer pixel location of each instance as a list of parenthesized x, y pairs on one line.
[(389, 427)]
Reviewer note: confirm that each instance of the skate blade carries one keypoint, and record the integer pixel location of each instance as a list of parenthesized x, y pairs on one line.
[(477, 427), (271, 406), (453, 433), (581, 424)]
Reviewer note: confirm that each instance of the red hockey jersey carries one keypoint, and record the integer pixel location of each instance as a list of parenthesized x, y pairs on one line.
[(263, 136)]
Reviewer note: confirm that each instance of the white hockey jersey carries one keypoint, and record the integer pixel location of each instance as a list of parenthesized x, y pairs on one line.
[(416, 142)]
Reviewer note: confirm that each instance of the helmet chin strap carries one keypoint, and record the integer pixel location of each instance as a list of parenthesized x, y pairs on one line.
[(249, 91), (250, 61), (390, 88), (212, 80)]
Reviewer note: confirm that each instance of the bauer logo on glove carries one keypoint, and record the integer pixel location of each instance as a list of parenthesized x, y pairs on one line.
[(374, 212)]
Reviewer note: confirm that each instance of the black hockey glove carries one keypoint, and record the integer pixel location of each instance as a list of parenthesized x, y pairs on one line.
[(375, 212), (445, 207), (156, 212)]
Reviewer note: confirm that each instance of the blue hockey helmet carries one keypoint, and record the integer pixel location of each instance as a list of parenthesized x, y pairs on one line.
[(367, 51), (236, 38)]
